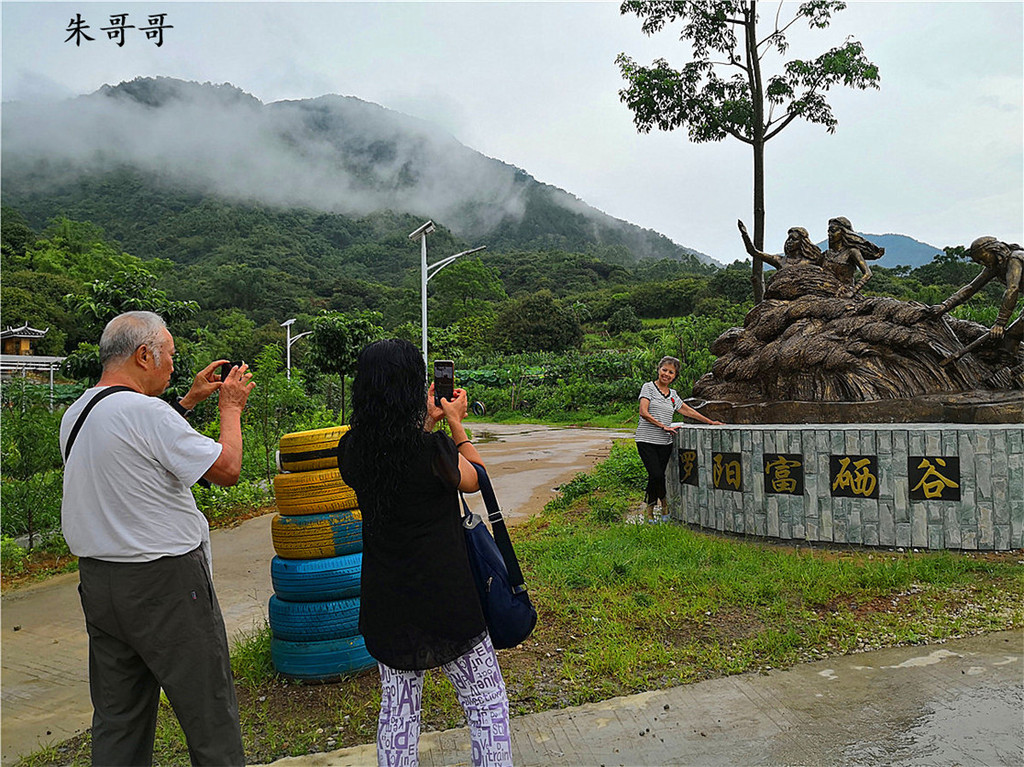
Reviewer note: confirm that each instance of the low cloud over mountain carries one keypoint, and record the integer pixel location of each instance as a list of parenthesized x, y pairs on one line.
[(333, 153)]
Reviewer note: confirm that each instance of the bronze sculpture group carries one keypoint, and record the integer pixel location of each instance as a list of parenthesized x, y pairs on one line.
[(847, 253), (815, 338)]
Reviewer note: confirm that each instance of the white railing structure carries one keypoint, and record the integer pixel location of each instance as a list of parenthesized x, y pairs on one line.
[(13, 364)]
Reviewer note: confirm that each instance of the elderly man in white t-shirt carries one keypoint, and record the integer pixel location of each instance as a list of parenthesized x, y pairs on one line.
[(144, 547)]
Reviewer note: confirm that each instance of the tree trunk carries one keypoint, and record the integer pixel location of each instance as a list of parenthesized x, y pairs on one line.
[(757, 142), (342, 398), (757, 275)]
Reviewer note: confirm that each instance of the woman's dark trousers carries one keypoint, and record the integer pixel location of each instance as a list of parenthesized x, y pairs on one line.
[(655, 458)]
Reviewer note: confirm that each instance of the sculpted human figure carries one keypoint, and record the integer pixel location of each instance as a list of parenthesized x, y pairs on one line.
[(847, 252), (798, 248), (1003, 261)]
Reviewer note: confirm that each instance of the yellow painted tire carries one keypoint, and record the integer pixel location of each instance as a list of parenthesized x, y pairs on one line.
[(313, 492), (310, 450), (317, 536)]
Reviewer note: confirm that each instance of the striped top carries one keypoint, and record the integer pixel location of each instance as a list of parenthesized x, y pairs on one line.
[(662, 409)]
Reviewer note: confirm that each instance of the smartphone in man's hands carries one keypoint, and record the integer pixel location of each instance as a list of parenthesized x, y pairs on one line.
[(225, 368), (444, 381)]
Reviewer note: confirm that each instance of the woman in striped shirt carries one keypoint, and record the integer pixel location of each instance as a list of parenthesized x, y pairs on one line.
[(658, 404)]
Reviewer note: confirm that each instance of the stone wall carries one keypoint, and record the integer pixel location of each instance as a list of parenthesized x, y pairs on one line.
[(930, 486)]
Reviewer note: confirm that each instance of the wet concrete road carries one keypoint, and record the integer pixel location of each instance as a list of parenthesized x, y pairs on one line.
[(44, 683), (959, 703)]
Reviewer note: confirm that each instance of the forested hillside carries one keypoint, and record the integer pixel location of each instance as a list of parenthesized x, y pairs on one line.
[(154, 137)]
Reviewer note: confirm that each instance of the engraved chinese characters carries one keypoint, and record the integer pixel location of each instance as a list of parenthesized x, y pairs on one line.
[(934, 478), (931, 477), (854, 476), (726, 471), (784, 474), (688, 467)]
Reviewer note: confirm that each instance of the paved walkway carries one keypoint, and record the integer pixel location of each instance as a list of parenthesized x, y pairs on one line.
[(958, 703)]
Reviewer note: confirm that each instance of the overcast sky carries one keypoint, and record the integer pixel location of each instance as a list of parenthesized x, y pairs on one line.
[(935, 154)]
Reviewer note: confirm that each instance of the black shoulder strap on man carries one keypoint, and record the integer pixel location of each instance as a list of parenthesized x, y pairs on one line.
[(85, 411)]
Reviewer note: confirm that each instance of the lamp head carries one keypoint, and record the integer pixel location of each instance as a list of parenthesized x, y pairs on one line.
[(424, 230)]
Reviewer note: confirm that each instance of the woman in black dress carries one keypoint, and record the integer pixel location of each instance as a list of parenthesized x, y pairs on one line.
[(419, 606)]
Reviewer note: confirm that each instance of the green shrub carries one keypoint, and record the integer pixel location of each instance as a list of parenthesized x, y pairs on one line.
[(32, 505), (216, 502), (577, 487), (13, 557), (624, 320), (608, 509), (622, 470), (985, 315), (53, 541), (250, 657)]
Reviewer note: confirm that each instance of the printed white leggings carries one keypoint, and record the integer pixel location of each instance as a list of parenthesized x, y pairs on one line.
[(481, 692)]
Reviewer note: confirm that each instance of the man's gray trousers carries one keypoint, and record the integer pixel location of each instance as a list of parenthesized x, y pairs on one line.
[(156, 625)]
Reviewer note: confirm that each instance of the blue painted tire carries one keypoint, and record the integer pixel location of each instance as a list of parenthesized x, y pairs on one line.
[(313, 621), (320, 661), (316, 580), (316, 536)]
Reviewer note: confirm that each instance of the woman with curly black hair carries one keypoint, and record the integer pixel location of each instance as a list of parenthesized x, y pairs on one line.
[(419, 606)]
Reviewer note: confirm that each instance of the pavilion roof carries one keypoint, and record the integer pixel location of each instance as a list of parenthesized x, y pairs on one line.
[(23, 332)]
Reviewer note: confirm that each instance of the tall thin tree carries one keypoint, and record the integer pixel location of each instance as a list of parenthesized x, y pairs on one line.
[(725, 37)]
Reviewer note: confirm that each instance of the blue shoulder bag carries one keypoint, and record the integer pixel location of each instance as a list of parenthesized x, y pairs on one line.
[(499, 581)]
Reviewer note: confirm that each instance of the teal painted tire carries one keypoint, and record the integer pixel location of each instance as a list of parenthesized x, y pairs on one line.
[(321, 661), (316, 536), (313, 621), (316, 580)]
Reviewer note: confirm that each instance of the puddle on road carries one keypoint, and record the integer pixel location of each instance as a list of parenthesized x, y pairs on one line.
[(483, 437), (981, 726)]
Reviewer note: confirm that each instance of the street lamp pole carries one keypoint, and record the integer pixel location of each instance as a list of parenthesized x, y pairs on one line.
[(426, 272), (287, 325)]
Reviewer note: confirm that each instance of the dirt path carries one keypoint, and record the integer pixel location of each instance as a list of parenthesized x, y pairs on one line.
[(45, 692)]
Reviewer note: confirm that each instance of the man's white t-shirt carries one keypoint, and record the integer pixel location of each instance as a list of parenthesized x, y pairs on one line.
[(128, 479)]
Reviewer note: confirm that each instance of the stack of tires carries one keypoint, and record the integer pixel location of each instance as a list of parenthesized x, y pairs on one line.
[(317, 536)]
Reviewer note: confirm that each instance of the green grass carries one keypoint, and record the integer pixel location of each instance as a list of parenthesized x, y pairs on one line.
[(626, 608)]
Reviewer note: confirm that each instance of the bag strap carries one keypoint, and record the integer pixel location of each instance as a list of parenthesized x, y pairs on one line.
[(499, 531), (85, 411)]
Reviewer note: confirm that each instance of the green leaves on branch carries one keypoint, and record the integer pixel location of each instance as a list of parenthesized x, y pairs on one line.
[(130, 289), (337, 340), (83, 364), (724, 37), (465, 289), (722, 91), (536, 323)]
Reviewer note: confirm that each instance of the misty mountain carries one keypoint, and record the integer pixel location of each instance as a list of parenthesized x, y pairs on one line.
[(900, 250), (334, 154)]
